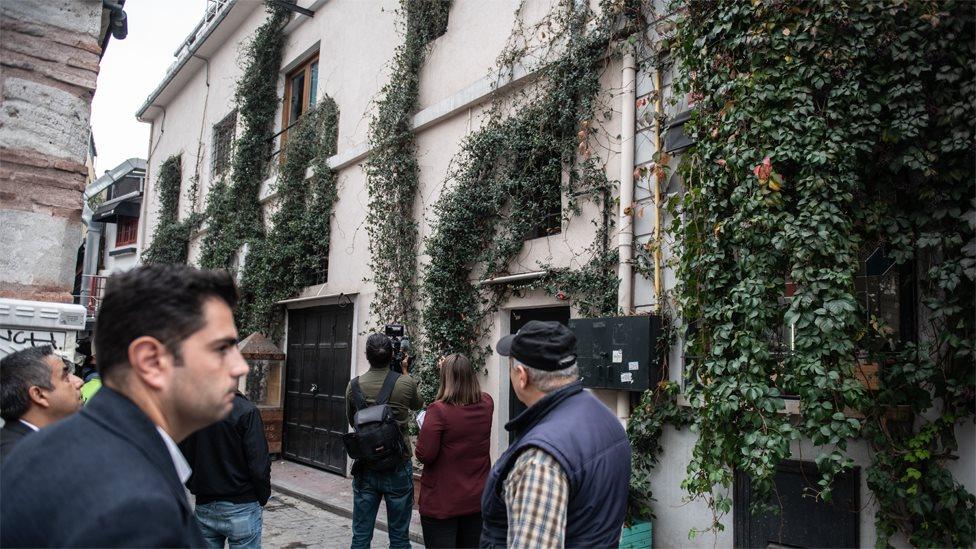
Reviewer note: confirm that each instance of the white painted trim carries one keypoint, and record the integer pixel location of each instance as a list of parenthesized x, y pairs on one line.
[(353, 353), (302, 58), (325, 299), (511, 278), (792, 405)]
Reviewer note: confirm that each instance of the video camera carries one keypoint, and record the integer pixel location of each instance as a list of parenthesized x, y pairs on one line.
[(401, 346)]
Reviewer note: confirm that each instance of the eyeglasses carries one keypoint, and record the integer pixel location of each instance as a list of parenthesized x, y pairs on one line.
[(69, 367)]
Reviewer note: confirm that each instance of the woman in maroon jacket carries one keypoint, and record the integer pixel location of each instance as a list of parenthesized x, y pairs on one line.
[(454, 447)]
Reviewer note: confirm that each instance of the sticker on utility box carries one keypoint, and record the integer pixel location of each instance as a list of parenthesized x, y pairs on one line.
[(618, 355), (633, 365), (627, 378)]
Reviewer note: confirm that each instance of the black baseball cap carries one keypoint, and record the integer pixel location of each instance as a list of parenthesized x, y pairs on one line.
[(541, 345)]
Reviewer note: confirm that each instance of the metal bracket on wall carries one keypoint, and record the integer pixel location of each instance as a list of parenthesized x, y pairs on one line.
[(292, 7)]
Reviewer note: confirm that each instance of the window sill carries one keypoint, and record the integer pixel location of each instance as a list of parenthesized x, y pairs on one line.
[(792, 404), (894, 413), (125, 250)]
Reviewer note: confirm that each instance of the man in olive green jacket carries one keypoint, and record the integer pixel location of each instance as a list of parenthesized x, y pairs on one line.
[(396, 485)]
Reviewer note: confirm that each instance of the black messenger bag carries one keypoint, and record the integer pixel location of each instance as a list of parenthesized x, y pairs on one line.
[(376, 439)]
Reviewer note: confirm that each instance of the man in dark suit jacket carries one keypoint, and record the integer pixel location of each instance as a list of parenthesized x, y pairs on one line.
[(37, 388), (112, 475), (10, 435)]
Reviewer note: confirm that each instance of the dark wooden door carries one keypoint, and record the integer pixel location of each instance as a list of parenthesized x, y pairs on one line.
[(316, 373), (519, 318), (802, 521)]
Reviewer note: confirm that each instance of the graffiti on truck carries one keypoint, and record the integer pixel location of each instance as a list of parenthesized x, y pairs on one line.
[(15, 339)]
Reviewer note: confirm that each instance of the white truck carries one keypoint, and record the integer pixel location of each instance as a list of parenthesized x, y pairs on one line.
[(26, 324)]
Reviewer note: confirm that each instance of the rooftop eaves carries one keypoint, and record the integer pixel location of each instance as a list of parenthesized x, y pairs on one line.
[(234, 11), (222, 18)]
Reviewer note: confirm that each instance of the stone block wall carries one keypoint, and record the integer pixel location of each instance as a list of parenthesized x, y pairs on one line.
[(49, 57)]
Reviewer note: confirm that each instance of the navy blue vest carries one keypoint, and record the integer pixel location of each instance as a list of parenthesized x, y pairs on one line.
[(592, 448)]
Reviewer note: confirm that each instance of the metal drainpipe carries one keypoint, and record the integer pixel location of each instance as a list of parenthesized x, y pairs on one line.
[(625, 236), (659, 114), (89, 264)]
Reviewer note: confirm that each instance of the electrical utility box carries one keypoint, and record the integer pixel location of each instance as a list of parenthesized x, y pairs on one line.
[(617, 352), (26, 324)]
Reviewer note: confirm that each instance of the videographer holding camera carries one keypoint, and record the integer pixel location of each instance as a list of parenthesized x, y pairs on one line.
[(377, 407), (401, 362)]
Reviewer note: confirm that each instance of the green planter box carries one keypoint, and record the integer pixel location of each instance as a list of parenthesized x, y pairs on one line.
[(637, 536)]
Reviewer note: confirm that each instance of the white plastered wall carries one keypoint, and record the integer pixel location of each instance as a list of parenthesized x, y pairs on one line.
[(188, 121)]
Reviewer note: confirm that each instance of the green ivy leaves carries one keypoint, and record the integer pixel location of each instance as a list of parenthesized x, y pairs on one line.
[(295, 253), (234, 214), (504, 179), (393, 175), (822, 130), (171, 239)]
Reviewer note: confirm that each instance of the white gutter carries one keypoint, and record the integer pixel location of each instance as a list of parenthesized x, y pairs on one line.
[(625, 237)]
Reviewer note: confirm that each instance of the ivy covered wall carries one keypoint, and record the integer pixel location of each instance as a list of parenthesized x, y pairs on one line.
[(821, 138)]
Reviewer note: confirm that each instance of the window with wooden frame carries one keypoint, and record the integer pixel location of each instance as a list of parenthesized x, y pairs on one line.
[(125, 231), (223, 144), (300, 90)]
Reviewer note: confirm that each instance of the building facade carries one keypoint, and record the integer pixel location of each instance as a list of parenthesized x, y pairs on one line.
[(118, 211), (343, 51)]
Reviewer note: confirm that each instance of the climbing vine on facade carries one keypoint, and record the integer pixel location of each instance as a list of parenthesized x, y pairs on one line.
[(295, 253), (392, 173), (171, 239), (533, 149), (827, 140), (657, 408), (234, 214)]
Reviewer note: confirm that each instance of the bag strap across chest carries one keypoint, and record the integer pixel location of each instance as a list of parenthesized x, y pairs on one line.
[(383, 397)]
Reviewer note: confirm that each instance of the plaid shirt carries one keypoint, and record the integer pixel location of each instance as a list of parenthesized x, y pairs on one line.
[(536, 496)]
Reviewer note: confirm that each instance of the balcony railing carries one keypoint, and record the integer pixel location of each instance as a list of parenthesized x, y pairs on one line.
[(213, 8), (96, 290)]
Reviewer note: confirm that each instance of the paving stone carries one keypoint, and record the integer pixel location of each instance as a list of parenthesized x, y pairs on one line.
[(290, 523)]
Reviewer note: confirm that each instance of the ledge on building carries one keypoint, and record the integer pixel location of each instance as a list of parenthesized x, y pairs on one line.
[(128, 250)]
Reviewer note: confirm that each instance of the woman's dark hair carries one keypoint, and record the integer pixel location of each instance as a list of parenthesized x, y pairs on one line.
[(459, 384), (379, 350), (161, 301)]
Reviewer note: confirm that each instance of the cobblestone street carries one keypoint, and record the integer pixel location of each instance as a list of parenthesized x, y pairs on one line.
[(290, 523)]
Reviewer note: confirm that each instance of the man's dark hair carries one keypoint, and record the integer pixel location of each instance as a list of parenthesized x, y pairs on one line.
[(379, 350), (161, 301), (18, 373)]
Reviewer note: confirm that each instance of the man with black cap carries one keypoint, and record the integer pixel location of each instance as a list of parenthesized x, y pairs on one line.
[(563, 481)]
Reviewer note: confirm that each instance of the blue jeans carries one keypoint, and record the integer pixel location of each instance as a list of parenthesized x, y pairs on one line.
[(368, 488), (237, 523)]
